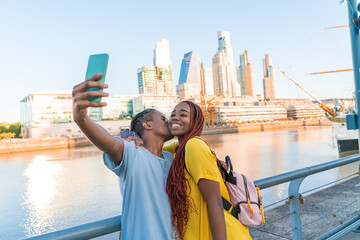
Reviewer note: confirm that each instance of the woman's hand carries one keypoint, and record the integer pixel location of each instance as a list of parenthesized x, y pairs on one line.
[(138, 141)]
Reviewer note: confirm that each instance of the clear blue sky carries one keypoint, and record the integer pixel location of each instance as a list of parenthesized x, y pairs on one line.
[(46, 44)]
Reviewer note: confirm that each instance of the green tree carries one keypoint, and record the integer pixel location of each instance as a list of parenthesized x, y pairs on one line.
[(11, 128), (15, 128), (6, 135)]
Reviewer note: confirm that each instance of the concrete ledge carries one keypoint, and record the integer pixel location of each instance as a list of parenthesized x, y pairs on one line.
[(20, 145), (248, 127), (321, 212)]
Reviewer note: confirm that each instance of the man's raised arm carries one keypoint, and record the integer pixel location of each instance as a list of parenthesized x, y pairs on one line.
[(95, 133)]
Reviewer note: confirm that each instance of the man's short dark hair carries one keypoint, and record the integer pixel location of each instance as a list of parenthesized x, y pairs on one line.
[(137, 121)]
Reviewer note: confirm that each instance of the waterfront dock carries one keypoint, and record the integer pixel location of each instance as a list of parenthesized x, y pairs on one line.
[(332, 213), (265, 126), (37, 144), (321, 212)]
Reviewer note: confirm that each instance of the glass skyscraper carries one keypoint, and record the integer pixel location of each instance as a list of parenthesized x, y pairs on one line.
[(246, 76), (147, 79), (191, 74)]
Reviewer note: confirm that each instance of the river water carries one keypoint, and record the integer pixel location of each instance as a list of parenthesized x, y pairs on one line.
[(49, 190)]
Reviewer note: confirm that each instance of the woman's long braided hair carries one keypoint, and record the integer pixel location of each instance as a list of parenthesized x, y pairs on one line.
[(181, 203)]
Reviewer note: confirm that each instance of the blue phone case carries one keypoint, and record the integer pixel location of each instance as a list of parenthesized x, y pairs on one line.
[(97, 64)]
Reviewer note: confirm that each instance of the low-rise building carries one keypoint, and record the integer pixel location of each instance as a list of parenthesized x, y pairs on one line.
[(162, 103), (118, 106), (44, 108), (250, 113), (298, 108), (42, 113)]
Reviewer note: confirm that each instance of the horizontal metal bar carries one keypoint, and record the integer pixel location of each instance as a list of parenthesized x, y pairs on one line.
[(345, 231), (339, 228), (110, 225), (300, 173), (86, 231)]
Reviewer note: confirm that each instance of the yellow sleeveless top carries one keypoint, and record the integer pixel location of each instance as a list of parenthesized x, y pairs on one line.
[(201, 164)]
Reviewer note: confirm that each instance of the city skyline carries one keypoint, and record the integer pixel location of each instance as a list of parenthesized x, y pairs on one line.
[(46, 45)]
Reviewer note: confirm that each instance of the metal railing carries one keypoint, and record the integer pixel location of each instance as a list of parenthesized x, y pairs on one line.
[(110, 225), (295, 178)]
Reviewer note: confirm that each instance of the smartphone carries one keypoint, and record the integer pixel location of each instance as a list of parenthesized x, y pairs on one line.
[(97, 64)]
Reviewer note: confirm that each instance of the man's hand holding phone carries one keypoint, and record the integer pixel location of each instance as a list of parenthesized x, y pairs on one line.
[(81, 96), (89, 93)]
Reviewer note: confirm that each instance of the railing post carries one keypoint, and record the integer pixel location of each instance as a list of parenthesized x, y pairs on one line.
[(294, 186), (358, 229)]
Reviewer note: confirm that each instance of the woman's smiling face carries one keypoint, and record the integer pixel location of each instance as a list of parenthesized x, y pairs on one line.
[(179, 121)]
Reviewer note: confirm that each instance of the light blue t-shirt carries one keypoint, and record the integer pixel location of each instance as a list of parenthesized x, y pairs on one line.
[(146, 212)]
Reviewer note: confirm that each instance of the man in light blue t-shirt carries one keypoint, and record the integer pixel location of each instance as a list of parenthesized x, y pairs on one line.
[(146, 212)]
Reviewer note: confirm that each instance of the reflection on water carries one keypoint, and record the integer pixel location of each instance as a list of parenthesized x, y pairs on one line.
[(265, 154), (55, 189), (40, 191), (50, 190)]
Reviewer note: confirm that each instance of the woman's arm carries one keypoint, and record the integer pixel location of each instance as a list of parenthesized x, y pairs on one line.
[(210, 190)]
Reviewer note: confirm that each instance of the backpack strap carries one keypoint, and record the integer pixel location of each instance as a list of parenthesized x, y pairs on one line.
[(230, 208), (217, 161), (229, 177)]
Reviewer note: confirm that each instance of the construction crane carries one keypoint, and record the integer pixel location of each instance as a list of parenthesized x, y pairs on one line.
[(209, 107), (340, 26), (333, 71), (322, 105)]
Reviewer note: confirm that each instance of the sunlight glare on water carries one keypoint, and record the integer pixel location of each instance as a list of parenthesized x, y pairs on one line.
[(40, 192)]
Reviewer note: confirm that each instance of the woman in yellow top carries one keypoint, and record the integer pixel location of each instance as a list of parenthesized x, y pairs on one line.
[(194, 184)]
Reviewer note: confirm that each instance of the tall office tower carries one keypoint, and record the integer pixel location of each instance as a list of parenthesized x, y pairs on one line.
[(147, 80), (221, 74), (225, 51), (162, 54), (190, 80), (164, 83), (208, 82), (246, 76), (269, 78)]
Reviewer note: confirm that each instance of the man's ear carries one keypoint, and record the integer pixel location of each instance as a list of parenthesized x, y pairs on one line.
[(146, 125)]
